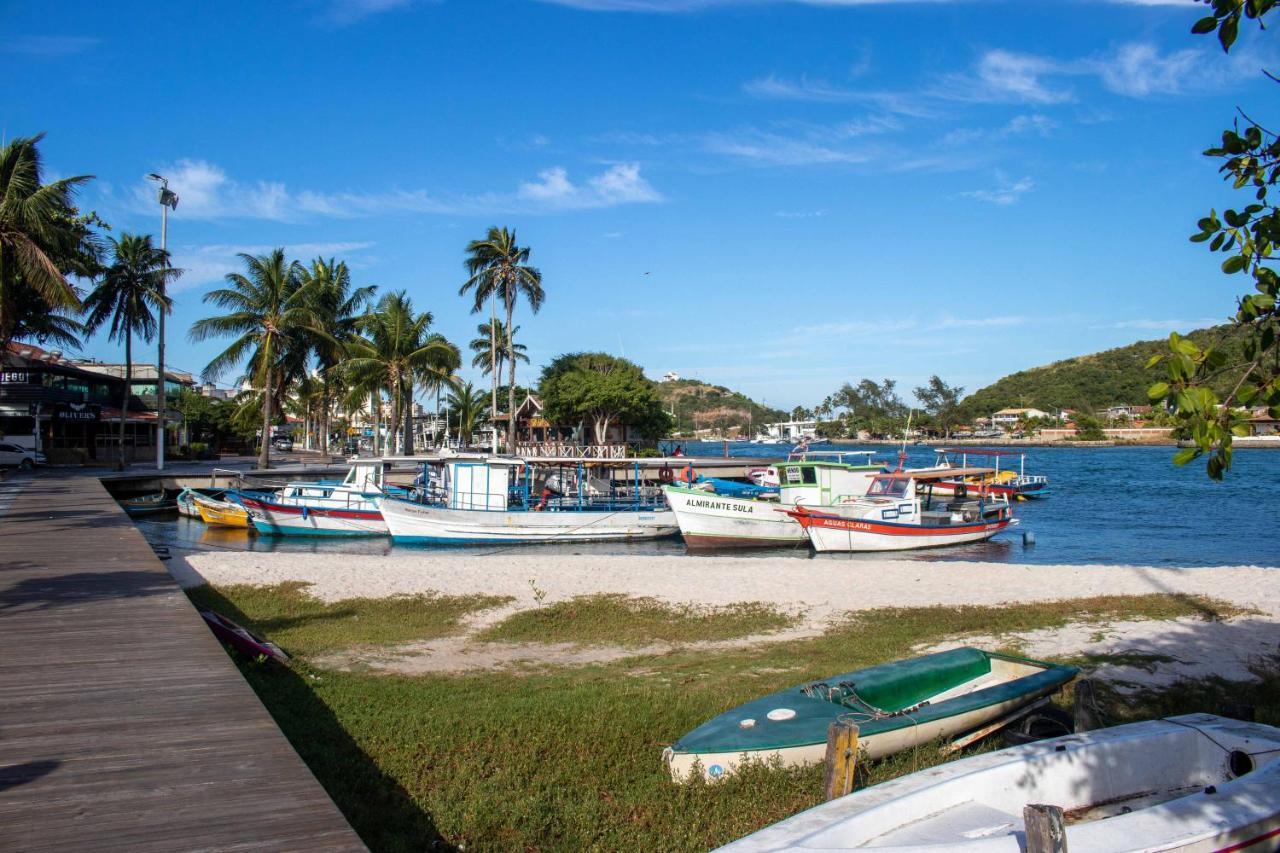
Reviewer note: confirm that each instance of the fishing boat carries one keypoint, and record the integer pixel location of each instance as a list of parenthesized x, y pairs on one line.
[(711, 518), (480, 499), (349, 508), (1016, 484), (900, 511), (896, 705), (148, 504), (187, 499), (222, 513), (242, 639), (1191, 783)]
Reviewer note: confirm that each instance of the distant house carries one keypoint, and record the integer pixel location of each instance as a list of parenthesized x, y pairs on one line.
[(671, 376), (1132, 412), (1261, 423), (1010, 417)]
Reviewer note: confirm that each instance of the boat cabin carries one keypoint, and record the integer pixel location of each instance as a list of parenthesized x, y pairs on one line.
[(513, 484), (907, 497), (820, 481)]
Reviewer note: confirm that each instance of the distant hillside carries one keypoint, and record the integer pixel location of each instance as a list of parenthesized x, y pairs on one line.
[(1090, 382), (702, 406)]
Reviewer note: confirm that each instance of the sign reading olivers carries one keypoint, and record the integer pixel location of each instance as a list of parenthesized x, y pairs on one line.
[(77, 412)]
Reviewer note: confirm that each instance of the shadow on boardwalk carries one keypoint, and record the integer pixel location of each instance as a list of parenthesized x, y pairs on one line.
[(36, 593)]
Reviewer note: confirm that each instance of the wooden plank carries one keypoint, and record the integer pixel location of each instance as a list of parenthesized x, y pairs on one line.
[(1046, 829), (978, 734), (123, 723)]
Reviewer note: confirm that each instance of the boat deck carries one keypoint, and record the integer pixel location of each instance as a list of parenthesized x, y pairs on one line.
[(123, 723)]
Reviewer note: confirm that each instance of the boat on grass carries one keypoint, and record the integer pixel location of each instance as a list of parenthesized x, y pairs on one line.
[(1016, 484), (896, 705), (479, 499), (349, 508), (148, 504), (900, 511), (242, 639), (1192, 783), (711, 518)]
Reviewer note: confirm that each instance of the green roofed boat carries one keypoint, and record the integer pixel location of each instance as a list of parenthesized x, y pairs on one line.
[(896, 706)]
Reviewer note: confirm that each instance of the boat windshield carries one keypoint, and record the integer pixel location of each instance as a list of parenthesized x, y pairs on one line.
[(888, 487)]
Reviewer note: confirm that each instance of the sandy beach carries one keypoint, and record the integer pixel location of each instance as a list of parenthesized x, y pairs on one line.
[(819, 590)]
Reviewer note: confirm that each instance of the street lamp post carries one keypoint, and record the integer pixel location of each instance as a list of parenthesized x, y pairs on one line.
[(168, 199)]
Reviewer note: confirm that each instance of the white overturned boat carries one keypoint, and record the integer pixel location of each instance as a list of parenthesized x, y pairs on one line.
[(711, 520), (1190, 783), (474, 500)]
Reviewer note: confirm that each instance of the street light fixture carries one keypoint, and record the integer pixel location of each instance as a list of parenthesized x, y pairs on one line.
[(168, 199)]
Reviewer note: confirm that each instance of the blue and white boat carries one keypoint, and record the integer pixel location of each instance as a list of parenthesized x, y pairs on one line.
[(349, 508), (484, 500)]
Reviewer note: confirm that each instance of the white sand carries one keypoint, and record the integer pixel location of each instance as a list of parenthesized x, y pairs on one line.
[(820, 589)]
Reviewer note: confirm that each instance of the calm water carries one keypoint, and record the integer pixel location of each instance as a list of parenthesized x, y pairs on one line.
[(1108, 505)]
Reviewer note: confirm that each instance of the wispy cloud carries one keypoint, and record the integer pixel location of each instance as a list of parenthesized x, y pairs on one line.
[(48, 46), (1002, 76), (800, 214), (207, 192), (1166, 325), (1005, 191), (801, 144), (202, 265), (697, 5), (1021, 125), (865, 328), (773, 87), (343, 13)]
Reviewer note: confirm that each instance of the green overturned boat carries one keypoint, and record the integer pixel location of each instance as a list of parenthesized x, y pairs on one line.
[(896, 706)]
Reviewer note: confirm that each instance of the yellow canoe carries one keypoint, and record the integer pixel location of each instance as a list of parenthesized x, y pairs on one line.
[(222, 513)]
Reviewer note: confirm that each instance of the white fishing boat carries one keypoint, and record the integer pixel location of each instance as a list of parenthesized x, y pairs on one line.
[(894, 515), (472, 500), (1191, 783), (349, 508), (710, 519)]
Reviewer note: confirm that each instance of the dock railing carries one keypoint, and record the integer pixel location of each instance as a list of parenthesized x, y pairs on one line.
[(572, 451)]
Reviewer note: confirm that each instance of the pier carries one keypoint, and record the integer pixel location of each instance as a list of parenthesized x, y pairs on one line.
[(123, 723)]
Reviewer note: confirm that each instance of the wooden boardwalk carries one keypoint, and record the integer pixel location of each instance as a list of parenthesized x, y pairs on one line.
[(123, 723)]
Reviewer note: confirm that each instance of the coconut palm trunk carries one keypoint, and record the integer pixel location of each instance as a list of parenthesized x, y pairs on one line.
[(124, 399), (264, 452), (511, 384), (493, 359)]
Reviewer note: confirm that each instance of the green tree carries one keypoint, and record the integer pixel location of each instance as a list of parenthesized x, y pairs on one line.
[(498, 267), (394, 349), (270, 314), (1248, 237), (337, 305), (1089, 428), (467, 405), (494, 342), (127, 300), (43, 238), (601, 389), (942, 402)]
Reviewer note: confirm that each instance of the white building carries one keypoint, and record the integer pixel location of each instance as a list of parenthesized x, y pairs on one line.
[(1010, 417), (792, 430), (671, 376)]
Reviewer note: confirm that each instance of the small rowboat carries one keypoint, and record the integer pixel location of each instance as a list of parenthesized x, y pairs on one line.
[(896, 705), (222, 513), (148, 504), (187, 499), (242, 639), (1191, 783)]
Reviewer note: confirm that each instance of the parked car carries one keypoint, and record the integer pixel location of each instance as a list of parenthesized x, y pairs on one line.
[(16, 456), (283, 443)]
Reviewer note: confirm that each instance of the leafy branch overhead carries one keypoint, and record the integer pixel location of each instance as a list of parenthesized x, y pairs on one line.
[(1247, 236)]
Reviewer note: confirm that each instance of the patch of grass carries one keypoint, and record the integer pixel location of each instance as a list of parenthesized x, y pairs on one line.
[(1211, 695), (570, 759), (615, 619), (303, 624), (1147, 661)]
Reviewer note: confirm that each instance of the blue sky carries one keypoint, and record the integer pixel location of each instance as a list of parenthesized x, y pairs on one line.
[(776, 196)]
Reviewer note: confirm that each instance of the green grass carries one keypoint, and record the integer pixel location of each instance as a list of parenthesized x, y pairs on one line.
[(569, 759), (615, 619), (304, 625)]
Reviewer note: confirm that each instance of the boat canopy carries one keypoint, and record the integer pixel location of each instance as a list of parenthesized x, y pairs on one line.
[(937, 474), (981, 451)]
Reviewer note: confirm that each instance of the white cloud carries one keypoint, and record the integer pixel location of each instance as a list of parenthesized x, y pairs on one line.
[(801, 144), (800, 214), (203, 265), (1039, 125), (1005, 192), (1138, 70), (772, 87), (205, 191), (341, 13), (1168, 325)]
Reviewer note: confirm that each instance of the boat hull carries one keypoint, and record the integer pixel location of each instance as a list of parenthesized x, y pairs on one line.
[(830, 533), (961, 689), (418, 523), (275, 519), (222, 513), (708, 520), (1161, 785)]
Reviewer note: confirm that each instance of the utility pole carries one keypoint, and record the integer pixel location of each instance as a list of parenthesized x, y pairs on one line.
[(168, 199)]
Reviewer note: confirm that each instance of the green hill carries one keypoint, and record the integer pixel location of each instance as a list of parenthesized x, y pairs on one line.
[(1090, 382), (698, 405)]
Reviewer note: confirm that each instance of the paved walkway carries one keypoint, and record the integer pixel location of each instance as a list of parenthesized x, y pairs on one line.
[(123, 723)]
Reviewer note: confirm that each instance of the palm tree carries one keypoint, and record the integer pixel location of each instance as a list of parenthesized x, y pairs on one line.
[(435, 381), (468, 407), (270, 311), (42, 236), (498, 267), (337, 306), (130, 290), (492, 331), (395, 348)]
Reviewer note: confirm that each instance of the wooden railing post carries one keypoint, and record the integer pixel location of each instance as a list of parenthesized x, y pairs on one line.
[(1046, 829), (842, 758)]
